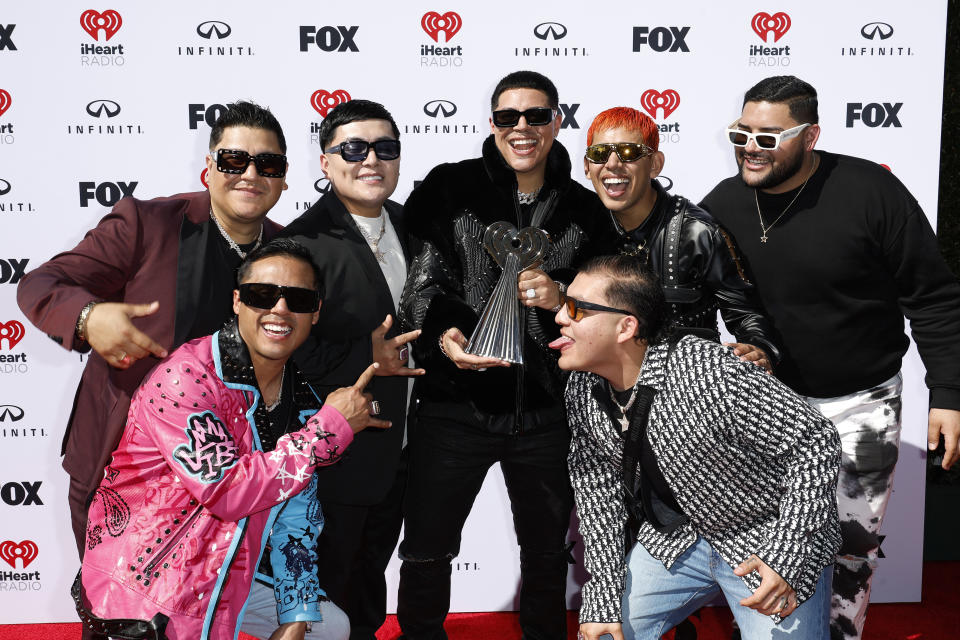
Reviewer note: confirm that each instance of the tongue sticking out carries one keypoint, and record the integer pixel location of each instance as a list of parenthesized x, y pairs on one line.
[(560, 342)]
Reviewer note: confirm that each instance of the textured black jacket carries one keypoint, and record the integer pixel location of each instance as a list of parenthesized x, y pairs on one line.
[(452, 275), (751, 464), (706, 274), (356, 300)]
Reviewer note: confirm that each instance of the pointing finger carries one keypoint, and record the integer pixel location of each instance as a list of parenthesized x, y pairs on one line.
[(365, 377)]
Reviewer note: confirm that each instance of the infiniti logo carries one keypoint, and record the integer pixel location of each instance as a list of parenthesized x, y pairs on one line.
[(4, 187), (11, 411), (208, 29), (435, 107), (98, 108), (322, 185), (873, 30), (552, 30)]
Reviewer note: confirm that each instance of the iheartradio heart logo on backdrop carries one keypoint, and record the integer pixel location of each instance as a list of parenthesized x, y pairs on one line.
[(203, 179), (323, 101), (93, 21), (433, 23), (668, 100), (763, 23), (26, 551), (5, 101), (11, 331)]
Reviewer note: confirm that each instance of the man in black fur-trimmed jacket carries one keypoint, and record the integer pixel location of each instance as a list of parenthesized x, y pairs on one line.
[(730, 475), (474, 411)]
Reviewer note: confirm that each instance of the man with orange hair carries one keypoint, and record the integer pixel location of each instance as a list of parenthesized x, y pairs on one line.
[(697, 261)]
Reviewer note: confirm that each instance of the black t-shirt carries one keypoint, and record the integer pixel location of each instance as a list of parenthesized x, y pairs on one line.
[(852, 255), (663, 509), (219, 280)]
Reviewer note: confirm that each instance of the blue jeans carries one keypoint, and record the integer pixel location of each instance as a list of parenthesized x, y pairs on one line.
[(657, 599)]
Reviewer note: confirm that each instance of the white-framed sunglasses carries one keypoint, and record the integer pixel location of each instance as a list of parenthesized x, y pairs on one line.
[(764, 140)]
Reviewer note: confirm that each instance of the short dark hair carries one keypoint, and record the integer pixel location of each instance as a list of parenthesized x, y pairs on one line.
[(352, 111), (246, 114), (634, 287), (281, 247), (526, 80), (800, 96)]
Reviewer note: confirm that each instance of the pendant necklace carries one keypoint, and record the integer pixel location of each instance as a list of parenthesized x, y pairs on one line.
[(375, 242), (765, 229)]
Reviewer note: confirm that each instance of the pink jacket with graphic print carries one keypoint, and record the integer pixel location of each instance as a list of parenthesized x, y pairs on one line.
[(177, 524)]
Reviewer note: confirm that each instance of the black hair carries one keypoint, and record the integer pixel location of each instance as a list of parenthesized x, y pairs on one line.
[(526, 80), (352, 111), (634, 287), (281, 247), (246, 114), (800, 96)]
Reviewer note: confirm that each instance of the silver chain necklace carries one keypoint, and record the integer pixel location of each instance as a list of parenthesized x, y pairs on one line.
[(765, 229), (375, 242), (271, 407), (623, 420), (528, 198), (230, 241)]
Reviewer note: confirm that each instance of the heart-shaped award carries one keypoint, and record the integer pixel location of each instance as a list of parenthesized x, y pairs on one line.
[(499, 334)]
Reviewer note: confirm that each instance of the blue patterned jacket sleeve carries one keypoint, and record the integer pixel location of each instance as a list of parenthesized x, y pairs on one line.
[(293, 557)]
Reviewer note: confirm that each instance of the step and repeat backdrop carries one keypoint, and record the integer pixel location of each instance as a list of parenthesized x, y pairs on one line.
[(102, 101)]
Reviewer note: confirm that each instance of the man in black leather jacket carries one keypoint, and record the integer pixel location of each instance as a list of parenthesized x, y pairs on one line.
[(474, 411), (696, 259)]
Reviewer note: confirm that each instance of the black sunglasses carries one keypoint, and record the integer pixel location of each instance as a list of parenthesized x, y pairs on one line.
[(264, 296), (269, 165), (575, 308), (357, 150), (626, 151), (535, 117)]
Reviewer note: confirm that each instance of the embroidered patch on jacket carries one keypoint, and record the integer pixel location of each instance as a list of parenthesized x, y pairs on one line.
[(211, 449)]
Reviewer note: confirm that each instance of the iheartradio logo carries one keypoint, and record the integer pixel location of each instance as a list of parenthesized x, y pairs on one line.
[(763, 24), (5, 101), (203, 179), (26, 551), (668, 100), (11, 331), (93, 21), (323, 101), (449, 23)]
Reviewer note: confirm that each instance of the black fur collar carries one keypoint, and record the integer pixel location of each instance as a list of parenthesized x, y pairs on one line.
[(557, 175)]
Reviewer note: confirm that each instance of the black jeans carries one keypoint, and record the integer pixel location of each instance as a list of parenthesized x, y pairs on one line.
[(447, 466)]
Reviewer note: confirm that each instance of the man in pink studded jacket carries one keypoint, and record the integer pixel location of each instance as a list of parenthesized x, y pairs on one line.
[(221, 440)]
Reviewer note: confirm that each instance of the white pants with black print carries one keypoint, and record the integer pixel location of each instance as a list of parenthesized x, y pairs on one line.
[(869, 426)]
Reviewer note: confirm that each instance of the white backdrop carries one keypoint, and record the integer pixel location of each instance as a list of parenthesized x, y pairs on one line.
[(98, 102)]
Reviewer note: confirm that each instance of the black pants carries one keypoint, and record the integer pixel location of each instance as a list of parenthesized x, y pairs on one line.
[(353, 551), (447, 466)]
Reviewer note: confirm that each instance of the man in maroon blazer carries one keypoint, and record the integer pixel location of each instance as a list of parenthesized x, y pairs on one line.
[(150, 276)]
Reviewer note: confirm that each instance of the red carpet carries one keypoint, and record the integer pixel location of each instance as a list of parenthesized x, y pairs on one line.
[(936, 618)]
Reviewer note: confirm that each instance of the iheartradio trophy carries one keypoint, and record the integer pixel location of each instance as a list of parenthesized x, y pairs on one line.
[(499, 333)]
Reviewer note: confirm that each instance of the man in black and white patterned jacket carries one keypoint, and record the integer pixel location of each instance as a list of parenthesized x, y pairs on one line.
[(736, 479)]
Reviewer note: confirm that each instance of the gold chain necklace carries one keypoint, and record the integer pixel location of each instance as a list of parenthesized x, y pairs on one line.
[(765, 229)]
